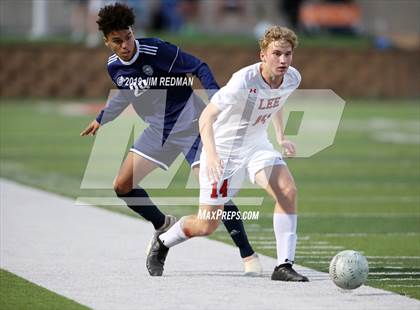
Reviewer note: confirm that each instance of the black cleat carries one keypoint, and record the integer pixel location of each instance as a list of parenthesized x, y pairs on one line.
[(170, 220), (285, 272), (156, 257)]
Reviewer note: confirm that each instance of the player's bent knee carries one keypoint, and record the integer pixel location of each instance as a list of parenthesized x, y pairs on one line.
[(121, 188), (290, 192), (286, 198)]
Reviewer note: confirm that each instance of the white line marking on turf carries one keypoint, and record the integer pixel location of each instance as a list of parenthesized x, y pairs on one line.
[(340, 215), (394, 279), (371, 263), (267, 247), (396, 257), (395, 267), (349, 199), (312, 242), (264, 242), (314, 252), (395, 273), (301, 239), (369, 234), (320, 247), (369, 257)]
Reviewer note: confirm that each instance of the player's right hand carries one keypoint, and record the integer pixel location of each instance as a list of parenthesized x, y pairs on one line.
[(289, 148), (91, 129), (214, 168)]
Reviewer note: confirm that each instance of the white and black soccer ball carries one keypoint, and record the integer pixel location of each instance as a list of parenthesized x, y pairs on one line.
[(349, 269)]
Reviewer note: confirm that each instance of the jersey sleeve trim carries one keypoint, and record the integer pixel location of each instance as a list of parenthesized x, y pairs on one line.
[(148, 49), (176, 56), (112, 58)]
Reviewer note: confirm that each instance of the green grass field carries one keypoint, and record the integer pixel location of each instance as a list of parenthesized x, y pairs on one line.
[(362, 193), (18, 293)]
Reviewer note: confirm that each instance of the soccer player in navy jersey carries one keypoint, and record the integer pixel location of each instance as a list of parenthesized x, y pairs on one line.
[(138, 67)]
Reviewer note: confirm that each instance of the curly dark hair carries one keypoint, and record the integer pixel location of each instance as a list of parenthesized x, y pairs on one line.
[(115, 17)]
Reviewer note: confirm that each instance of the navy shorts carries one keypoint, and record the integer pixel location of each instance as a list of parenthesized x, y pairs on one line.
[(149, 145)]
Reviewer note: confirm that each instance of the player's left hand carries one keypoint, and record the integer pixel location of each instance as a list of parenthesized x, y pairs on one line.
[(91, 129), (289, 149)]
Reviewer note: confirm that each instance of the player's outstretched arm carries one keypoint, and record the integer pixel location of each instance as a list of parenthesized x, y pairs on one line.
[(289, 148), (116, 103), (214, 164), (91, 129)]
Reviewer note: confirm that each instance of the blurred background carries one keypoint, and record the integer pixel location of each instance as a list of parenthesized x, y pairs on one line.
[(345, 45)]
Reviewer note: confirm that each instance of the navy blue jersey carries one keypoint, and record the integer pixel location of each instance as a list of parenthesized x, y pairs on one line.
[(156, 66)]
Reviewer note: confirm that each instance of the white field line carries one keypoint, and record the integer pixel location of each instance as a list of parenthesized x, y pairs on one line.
[(348, 199), (267, 247), (264, 242), (369, 257), (394, 267), (394, 257), (298, 251), (371, 263), (299, 246), (301, 240), (260, 229), (315, 252), (345, 235), (312, 242), (395, 273), (394, 279), (360, 215), (320, 247)]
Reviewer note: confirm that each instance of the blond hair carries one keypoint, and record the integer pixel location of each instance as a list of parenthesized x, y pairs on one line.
[(277, 33)]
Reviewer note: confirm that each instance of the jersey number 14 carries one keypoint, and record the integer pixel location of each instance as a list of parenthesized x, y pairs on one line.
[(223, 190)]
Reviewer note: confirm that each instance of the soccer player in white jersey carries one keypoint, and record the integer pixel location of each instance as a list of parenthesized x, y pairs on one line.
[(233, 128)]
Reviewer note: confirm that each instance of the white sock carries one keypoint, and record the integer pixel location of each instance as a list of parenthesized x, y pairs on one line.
[(285, 230), (174, 235)]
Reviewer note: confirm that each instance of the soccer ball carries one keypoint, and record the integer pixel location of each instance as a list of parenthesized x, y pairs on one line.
[(349, 269)]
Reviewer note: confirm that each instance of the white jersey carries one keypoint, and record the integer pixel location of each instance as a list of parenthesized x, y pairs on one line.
[(247, 104)]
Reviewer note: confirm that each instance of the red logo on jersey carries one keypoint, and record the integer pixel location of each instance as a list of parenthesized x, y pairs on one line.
[(253, 90), (269, 103), (262, 119)]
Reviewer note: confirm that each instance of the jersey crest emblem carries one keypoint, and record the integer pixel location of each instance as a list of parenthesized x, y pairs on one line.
[(120, 80), (148, 70)]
